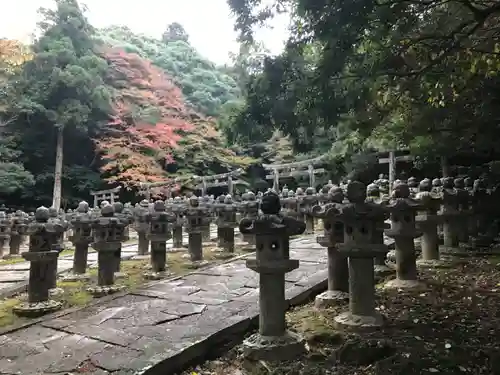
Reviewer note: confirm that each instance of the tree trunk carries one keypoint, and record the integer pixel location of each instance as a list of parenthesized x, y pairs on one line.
[(56, 194), (445, 168)]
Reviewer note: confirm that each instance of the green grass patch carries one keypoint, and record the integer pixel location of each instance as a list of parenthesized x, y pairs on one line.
[(75, 292), (7, 318), (20, 259), (11, 261)]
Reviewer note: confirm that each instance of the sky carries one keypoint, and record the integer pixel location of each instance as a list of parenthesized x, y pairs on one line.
[(208, 22)]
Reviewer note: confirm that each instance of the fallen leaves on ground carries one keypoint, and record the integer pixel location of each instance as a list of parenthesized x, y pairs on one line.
[(451, 328)]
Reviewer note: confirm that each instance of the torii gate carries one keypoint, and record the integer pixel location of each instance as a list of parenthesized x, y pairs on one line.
[(294, 169), (146, 187), (392, 159), (206, 182), (103, 195)]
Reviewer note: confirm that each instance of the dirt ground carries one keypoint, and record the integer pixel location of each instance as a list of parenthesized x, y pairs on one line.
[(452, 328)]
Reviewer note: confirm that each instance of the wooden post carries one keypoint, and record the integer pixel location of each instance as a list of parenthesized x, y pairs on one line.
[(392, 160), (310, 170), (230, 185), (392, 169), (445, 170), (276, 181)]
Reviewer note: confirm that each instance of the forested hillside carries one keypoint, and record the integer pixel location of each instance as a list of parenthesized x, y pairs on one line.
[(205, 86), (82, 108)]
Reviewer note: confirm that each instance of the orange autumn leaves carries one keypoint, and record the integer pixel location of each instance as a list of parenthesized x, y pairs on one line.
[(149, 119)]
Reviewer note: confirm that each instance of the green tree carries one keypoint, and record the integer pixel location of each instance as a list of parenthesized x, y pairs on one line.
[(386, 74), (61, 88), (175, 32)]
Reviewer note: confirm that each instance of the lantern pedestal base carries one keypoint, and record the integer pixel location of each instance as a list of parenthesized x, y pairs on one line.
[(120, 275), (330, 298), (101, 291), (176, 250), (150, 275), (34, 310), (56, 291), (449, 250), (274, 348), (435, 263), (195, 264), (351, 322), (141, 257), (382, 270), (72, 277), (222, 254), (405, 284)]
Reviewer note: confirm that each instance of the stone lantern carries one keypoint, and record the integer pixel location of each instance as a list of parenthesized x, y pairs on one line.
[(291, 205), (381, 269), (56, 217), (413, 185), (19, 229), (43, 258), (403, 230), (249, 209), (323, 195), (108, 232), (81, 222), (308, 202), (159, 233), (383, 184), (217, 208), (5, 229), (127, 218), (226, 221), (427, 222), (284, 191), (196, 218), (463, 201), (272, 234), (449, 215), (469, 184), (124, 213), (206, 203), (338, 271), (481, 200), (437, 186), (141, 226), (177, 207), (57, 243), (360, 220), (300, 195)]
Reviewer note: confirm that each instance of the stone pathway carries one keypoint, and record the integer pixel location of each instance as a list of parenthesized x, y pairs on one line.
[(14, 277), (159, 328)]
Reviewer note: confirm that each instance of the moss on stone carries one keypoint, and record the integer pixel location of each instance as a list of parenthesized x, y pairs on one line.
[(7, 317)]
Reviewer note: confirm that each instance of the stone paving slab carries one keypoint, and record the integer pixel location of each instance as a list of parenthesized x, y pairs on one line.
[(158, 328), (14, 277)]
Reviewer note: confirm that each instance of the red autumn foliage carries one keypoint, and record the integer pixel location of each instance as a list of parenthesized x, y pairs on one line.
[(149, 117)]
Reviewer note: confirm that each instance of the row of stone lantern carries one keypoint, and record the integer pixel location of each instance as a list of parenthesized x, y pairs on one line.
[(106, 233), (353, 230), (353, 234)]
